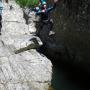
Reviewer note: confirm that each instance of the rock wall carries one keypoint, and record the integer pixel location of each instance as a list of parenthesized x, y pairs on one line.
[(71, 25), (21, 66)]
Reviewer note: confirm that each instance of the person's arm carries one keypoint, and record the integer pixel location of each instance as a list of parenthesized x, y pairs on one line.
[(39, 12), (53, 7)]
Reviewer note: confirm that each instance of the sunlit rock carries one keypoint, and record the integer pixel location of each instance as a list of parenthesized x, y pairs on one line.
[(21, 66)]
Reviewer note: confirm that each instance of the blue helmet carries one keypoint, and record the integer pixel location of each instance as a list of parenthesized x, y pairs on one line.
[(43, 3)]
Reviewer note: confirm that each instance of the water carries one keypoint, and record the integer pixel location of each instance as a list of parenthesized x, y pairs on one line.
[(60, 81), (66, 77)]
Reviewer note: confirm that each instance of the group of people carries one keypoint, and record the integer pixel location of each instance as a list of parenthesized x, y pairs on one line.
[(43, 11)]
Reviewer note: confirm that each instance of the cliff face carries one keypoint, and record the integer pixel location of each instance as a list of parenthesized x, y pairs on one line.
[(21, 66), (71, 24), (74, 15)]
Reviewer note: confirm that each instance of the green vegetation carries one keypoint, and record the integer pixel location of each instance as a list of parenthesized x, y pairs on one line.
[(27, 3)]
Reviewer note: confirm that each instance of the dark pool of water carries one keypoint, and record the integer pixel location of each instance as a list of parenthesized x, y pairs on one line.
[(67, 76)]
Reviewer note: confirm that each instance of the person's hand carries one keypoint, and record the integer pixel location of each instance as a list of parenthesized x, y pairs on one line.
[(55, 1)]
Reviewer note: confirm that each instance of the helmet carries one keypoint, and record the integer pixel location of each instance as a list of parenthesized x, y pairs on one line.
[(43, 3)]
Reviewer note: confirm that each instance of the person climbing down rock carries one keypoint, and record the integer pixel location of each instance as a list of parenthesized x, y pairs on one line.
[(44, 12), (1, 8)]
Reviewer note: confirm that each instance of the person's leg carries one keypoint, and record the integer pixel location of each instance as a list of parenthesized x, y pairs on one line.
[(0, 23), (51, 27), (51, 24)]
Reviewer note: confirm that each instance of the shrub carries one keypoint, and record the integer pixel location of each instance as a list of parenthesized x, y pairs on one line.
[(27, 3)]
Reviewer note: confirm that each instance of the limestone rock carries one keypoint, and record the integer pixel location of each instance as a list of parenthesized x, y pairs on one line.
[(26, 70)]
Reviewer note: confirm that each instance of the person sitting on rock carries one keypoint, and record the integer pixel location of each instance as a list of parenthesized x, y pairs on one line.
[(1, 8)]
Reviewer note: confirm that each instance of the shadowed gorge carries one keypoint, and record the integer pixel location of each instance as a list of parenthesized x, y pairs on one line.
[(22, 63), (69, 49)]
